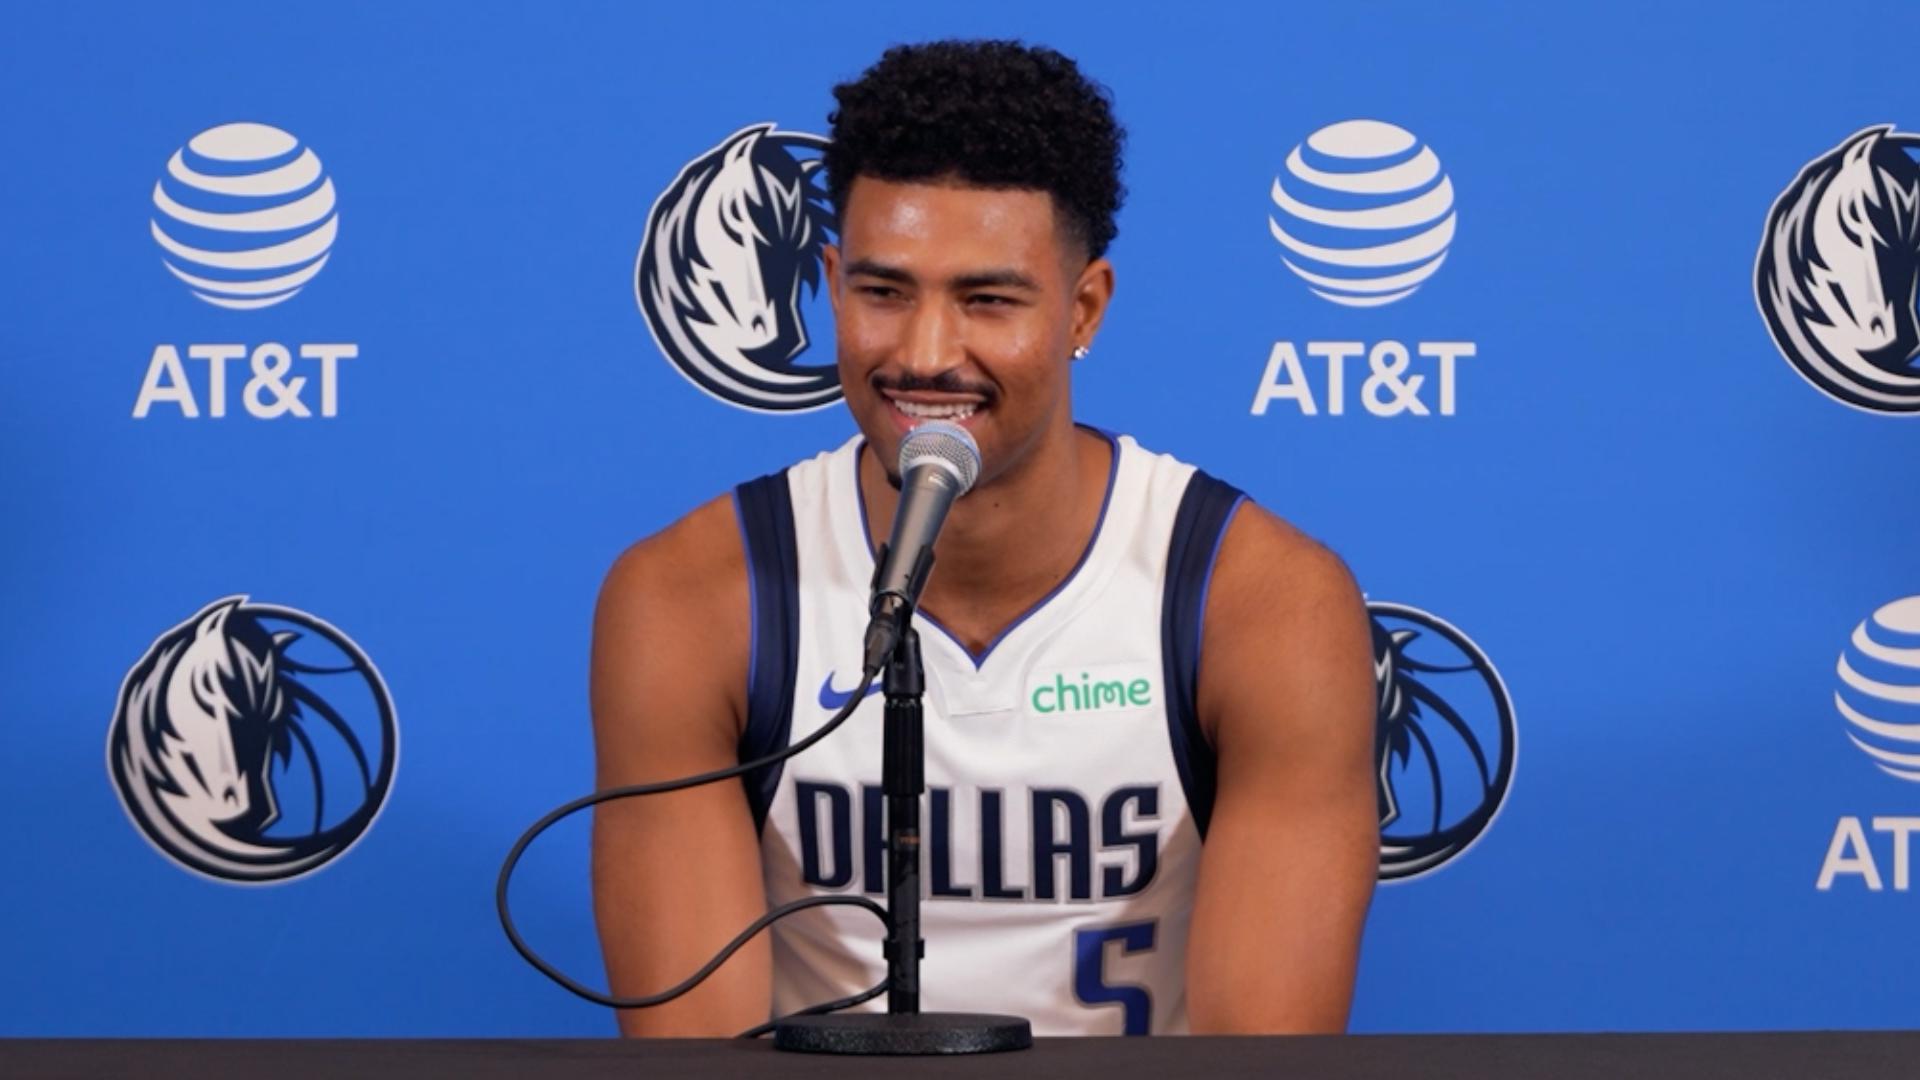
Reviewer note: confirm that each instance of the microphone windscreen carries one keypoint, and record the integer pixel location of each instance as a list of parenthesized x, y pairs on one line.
[(942, 441)]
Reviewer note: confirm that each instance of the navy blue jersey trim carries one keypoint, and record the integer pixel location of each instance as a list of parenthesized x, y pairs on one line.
[(764, 508), (1198, 528), (980, 658)]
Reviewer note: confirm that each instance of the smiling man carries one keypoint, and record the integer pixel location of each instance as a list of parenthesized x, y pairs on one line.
[(1150, 703)]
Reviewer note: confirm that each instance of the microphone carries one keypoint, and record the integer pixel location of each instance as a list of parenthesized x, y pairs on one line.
[(939, 462)]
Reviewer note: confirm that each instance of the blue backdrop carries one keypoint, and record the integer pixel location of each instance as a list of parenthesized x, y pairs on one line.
[(1660, 535)]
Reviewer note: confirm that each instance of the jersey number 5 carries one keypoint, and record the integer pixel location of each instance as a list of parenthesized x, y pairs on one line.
[(1090, 984)]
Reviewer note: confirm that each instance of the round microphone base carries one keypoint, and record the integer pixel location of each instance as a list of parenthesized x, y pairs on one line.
[(903, 1033)]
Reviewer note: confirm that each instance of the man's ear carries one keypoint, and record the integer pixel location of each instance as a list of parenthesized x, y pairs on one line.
[(830, 264), (1091, 294)]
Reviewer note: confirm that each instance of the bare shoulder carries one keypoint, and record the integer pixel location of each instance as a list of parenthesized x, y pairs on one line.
[(680, 563), (1284, 617), (1270, 574), (671, 630)]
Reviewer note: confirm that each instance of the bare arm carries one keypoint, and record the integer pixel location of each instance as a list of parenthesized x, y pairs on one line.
[(676, 876), (1292, 850)]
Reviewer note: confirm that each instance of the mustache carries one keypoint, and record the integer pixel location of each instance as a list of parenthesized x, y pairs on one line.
[(947, 382)]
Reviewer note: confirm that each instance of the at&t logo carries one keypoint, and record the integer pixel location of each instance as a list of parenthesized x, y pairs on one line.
[(1877, 694), (1364, 214), (253, 743), (732, 251), (249, 220), (245, 215), (1380, 217)]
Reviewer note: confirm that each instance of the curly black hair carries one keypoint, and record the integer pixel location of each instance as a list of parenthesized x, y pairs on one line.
[(994, 114)]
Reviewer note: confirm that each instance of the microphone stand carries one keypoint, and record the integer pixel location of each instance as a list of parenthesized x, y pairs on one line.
[(903, 1028)]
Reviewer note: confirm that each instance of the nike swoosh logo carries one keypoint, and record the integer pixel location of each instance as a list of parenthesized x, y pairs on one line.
[(834, 700)]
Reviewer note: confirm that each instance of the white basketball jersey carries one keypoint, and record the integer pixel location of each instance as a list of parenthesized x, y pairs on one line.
[(1068, 783)]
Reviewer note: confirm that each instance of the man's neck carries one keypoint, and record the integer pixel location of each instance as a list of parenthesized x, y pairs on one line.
[(1008, 544)]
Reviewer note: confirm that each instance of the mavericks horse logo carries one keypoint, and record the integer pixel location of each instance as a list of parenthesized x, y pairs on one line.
[(252, 743), (732, 249), (1836, 272), (1445, 740)]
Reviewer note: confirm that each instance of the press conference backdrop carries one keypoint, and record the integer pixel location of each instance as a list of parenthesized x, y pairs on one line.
[(346, 345)]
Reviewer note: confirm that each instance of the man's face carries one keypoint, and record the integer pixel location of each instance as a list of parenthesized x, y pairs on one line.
[(958, 303)]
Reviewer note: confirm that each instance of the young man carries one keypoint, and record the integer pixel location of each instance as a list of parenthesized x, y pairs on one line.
[(1120, 837)]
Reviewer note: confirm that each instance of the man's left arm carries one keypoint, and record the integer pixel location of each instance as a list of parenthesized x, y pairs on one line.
[(1286, 693)]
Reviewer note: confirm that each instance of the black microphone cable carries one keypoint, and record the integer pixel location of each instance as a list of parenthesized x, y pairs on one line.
[(660, 788)]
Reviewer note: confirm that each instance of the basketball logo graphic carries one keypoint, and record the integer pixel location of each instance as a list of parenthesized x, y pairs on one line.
[(733, 249), (1837, 268), (1446, 740), (253, 743)]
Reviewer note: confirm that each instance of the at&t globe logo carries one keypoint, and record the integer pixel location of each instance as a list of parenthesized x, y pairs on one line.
[(731, 257), (1878, 695), (1879, 690), (1837, 268), (1364, 213), (1446, 740), (244, 215), (253, 743)]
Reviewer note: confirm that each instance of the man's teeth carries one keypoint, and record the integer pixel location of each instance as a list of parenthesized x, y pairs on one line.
[(935, 412)]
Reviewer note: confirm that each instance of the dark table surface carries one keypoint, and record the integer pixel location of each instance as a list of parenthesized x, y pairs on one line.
[(1800, 1055)]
